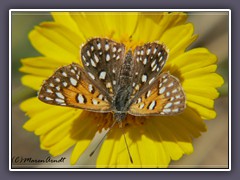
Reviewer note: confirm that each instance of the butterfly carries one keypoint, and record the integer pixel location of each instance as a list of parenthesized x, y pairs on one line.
[(115, 79)]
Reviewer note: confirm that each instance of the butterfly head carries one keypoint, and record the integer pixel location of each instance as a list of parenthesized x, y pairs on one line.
[(119, 116)]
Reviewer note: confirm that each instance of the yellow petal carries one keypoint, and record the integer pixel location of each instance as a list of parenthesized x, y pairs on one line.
[(208, 92), (192, 60), (44, 62), (147, 145), (50, 116), (176, 18), (33, 106), (199, 72), (91, 24), (118, 21), (36, 71), (147, 29), (210, 80), (79, 148), (65, 19), (61, 117), (206, 102), (177, 39), (205, 113), (62, 146), (82, 128), (56, 41), (109, 147), (33, 81)]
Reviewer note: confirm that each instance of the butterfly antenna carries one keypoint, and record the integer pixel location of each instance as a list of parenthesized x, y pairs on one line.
[(129, 154), (100, 142)]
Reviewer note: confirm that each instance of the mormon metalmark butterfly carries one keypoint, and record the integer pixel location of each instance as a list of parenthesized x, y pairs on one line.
[(117, 80)]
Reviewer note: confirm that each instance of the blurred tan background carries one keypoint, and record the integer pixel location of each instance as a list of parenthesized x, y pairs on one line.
[(210, 150)]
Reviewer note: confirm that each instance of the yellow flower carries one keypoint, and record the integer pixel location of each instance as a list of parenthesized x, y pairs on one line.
[(153, 141)]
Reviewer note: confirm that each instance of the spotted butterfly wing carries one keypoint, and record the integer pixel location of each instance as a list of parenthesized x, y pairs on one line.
[(164, 97), (102, 59), (70, 86), (148, 60)]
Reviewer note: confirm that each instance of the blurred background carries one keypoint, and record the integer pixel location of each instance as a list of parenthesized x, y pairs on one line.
[(210, 149)]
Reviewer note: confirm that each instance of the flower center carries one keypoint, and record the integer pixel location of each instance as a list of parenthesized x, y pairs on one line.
[(105, 120)]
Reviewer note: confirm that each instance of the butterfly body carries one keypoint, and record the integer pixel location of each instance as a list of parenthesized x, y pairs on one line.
[(123, 89), (117, 80)]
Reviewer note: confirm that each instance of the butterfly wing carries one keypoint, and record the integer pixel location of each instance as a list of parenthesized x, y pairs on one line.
[(164, 97), (70, 86), (102, 59), (148, 60)]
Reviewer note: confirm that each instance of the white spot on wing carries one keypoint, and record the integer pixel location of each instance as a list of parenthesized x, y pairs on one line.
[(171, 84), (106, 47), (93, 63), (161, 90), (168, 105), (60, 95), (48, 98), (100, 96), (141, 106), (108, 85), (107, 57), (178, 96), (73, 81), (148, 93), (174, 91), (148, 51), (64, 74), (57, 79), (152, 105), (102, 75), (88, 53), (137, 87), (65, 84), (80, 99), (91, 75), (144, 78), (59, 100), (90, 88), (159, 54), (83, 58), (151, 80), (96, 58), (155, 50), (166, 110), (177, 102), (153, 63), (118, 57), (99, 45), (95, 101), (139, 100), (49, 90), (175, 110), (153, 69), (145, 61)]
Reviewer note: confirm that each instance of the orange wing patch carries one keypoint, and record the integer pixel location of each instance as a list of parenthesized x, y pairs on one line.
[(164, 97), (70, 86)]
